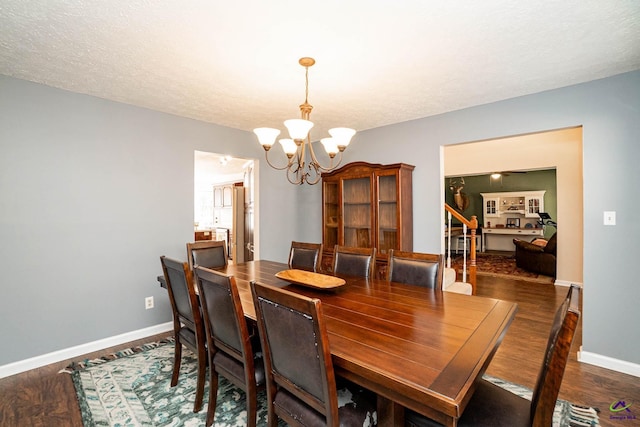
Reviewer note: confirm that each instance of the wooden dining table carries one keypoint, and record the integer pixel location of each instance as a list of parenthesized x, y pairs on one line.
[(414, 347)]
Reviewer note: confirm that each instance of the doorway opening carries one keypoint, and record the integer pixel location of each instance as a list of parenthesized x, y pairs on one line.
[(225, 203), (557, 149)]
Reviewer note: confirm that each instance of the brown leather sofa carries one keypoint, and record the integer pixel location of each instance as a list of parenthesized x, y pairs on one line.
[(535, 258)]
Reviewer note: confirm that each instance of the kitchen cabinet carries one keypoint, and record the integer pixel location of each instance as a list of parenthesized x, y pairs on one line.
[(223, 196), (223, 204), (217, 196)]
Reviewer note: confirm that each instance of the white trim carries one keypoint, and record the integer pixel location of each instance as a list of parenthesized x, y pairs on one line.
[(567, 283), (459, 288), (79, 350), (609, 363)]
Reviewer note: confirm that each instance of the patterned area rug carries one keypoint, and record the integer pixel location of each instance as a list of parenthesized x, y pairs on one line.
[(498, 266), (131, 388)]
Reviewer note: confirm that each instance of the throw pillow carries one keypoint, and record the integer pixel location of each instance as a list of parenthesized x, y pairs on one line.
[(540, 242)]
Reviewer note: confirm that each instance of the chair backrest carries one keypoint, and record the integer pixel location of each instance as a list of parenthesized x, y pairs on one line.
[(224, 320), (296, 353), (547, 386), (305, 256), (354, 261), (416, 268), (182, 295), (207, 253)]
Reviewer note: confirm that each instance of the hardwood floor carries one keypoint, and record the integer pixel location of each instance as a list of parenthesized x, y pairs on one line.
[(42, 397), (45, 398), (520, 356)]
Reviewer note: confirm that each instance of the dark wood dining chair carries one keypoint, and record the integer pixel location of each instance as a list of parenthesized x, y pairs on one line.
[(351, 261), (188, 325), (494, 406), (301, 386), (415, 268), (305, 256), (207, 253), (231, 351)]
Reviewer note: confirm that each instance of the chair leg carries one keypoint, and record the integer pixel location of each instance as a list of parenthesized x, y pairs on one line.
[(177, 358), (272, 418), (213, 395), (252, 405), (202, 368)]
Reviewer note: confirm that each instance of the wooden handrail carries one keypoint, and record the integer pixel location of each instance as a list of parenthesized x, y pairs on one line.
[(472, 225)]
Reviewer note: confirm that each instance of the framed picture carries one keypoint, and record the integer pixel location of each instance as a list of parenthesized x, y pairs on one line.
[(513, 222)]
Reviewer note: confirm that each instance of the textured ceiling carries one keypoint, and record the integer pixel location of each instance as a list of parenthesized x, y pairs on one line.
[(379, 62)]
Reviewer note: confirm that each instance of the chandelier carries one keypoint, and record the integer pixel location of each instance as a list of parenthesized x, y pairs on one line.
[(299, 142)]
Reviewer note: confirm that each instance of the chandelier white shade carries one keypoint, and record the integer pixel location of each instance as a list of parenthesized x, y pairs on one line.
[(330, 146), (299, 169), (289, 147), (298, 128), (342, 136), (266, 136)]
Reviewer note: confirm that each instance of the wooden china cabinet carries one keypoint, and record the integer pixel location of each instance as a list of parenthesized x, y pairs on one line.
[(367, 205)]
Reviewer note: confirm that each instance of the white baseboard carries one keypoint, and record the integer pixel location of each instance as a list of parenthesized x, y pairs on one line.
[(566, 283), (609, 363), (79, 350)]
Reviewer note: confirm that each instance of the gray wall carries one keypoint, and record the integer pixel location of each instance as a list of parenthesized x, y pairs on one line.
[(609, 111), (92, 192)]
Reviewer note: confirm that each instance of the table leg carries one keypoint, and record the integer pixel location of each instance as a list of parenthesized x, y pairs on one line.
[(389, 413)]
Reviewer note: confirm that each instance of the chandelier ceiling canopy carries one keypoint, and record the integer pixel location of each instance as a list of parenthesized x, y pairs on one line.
[(301, 168)]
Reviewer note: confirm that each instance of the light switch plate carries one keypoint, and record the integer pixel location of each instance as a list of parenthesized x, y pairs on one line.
[(609, 218)]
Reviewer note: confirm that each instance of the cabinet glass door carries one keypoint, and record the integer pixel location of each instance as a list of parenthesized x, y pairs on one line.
[(356, 199), (491, 207), (533, 206), (330, 214), (387, 214)]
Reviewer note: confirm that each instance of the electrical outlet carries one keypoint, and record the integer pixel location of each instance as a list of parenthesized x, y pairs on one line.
[(609, 218), (148, 303)]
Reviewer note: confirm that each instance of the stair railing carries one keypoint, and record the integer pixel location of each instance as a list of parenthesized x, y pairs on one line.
[(470, 225)]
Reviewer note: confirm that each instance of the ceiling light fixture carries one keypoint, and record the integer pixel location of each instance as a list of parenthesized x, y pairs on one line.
[(295, 147)]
